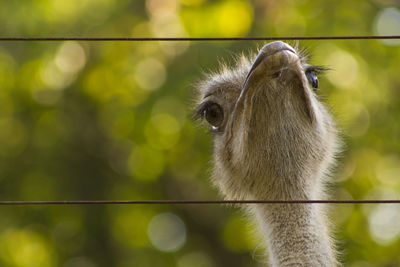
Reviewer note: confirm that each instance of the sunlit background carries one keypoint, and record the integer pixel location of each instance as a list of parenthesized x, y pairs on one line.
[(110, 120)]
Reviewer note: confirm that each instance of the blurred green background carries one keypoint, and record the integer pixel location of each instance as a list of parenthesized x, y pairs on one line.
[(110, 120)]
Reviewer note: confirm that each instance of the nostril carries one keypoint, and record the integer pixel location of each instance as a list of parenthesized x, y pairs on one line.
[(276, 74)]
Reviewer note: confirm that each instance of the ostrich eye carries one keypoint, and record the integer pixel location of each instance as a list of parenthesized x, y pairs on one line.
[(312, 79), (214, 114)]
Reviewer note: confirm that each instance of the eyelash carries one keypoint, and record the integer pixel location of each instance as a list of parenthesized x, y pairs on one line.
[(316, 69), (198, 113)]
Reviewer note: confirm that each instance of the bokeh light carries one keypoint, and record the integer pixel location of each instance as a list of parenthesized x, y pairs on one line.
[(222, 19), (167, 232), (381, 224), (70, 57), (150, 73), (346, 71), (54, 78), (387, 22), (23, 248)]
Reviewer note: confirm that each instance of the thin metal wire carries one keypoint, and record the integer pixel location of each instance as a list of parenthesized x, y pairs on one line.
[(194, 202), (143, 39)]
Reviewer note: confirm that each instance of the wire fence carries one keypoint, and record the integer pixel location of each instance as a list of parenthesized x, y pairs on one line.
[(196, 202), (164, 39)]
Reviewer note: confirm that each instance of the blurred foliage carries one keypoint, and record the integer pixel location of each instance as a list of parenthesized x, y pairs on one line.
[(110, 120)]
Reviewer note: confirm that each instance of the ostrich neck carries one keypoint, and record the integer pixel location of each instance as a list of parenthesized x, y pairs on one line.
[(296, 235)]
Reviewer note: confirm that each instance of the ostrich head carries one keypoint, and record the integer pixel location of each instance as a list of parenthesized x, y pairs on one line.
[(273, 139)]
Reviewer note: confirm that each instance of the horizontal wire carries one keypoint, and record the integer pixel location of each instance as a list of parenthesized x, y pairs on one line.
[(194, 202), (139, 39)]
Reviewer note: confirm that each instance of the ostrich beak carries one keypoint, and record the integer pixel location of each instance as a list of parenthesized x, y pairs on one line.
[(266, 51), (268, 64), (264, 64)]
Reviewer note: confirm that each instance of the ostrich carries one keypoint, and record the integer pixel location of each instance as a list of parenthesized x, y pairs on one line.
[(274, 140)]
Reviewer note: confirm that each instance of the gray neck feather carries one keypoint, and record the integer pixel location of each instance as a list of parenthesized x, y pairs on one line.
[(295, 234)]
